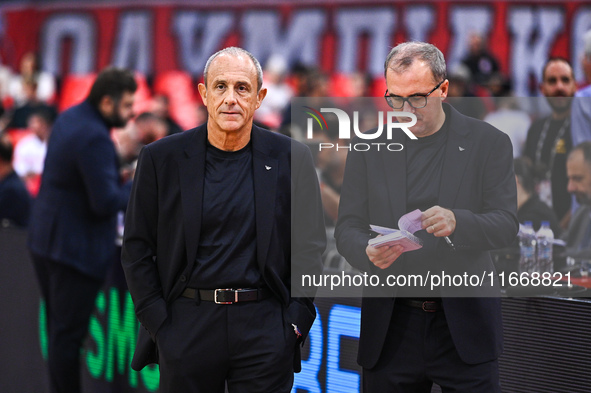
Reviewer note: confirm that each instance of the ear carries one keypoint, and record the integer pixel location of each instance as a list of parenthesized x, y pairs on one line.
[(444, 89), (106, 105), (261, 96), (203, 93)]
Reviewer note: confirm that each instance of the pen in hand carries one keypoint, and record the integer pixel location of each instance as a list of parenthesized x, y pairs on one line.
[(448, 241)]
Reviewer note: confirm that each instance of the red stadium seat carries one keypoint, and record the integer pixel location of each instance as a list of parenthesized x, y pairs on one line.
[(74, 90), (378, 87), (16, 134), (143, 95), (340, 85)]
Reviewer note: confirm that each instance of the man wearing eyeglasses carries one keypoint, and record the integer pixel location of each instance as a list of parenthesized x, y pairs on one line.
[(459, 173)]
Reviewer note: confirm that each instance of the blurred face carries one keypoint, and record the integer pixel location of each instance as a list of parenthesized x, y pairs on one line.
[(579, 177), (38, 126), (476, 43), (558, 86), (117, 113), (150, 130), (418, 80), (28, 64), (231, 95)]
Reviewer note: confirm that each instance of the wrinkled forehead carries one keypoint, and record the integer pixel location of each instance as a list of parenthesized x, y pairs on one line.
[(414, 68), (576, 161), (557, 68), (228, 65)]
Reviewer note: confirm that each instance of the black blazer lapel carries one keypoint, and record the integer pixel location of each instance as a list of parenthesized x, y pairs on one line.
[(192, 175), (458, 150), (265, 172)]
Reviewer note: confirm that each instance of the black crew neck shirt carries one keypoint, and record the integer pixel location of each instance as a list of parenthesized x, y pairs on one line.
[(424, 163), (226, 255)]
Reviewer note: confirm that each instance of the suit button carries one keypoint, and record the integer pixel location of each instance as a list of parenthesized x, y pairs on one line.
[(183, 278)]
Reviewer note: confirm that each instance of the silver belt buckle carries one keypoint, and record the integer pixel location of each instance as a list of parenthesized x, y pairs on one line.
[(217, 291)]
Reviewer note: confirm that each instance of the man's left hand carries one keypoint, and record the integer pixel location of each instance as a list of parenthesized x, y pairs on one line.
[(438, 221)]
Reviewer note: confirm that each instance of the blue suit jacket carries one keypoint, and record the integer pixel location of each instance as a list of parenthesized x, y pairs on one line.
[(73, 220), (478, 185), (163, 223), (15, 200)]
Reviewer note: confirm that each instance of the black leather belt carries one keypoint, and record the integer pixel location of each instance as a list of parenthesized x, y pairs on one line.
[(227, 296), (425, 305)]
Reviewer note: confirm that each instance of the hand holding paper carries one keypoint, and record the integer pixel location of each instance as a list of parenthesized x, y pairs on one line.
[(408, 224)]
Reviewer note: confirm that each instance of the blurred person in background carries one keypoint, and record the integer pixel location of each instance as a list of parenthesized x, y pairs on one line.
[(509, 118), (549, 139), (312, 84), (15, 201), (499, 85), (279, 92), (481, 63), (150, 128), (73, 222), (161, 108), (529, 206), (30, 70), (578, 166), (30, 103), (29, 154), (460, 94)]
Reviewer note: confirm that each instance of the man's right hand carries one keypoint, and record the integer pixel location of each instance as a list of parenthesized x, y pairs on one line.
[(383, 257)]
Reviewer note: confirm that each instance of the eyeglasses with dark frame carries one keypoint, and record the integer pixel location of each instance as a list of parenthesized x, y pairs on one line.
[(416, 101)]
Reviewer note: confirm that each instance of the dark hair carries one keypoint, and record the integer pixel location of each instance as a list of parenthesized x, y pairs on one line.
[(44, 113), (6, 150), (557, 59), (524, 170), (145, 116), (112, 82), (585, 148)]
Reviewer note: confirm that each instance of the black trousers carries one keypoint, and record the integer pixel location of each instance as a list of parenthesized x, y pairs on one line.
[(419, 351), (203, 345), (69, 300)]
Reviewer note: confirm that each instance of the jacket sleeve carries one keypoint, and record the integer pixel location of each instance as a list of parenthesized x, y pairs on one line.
[(308, 236), (96, 159), (494, 225), (351, 232), (138, 255)]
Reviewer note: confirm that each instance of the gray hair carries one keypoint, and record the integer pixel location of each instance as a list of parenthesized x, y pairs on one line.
[(235, 51), (403, 55)]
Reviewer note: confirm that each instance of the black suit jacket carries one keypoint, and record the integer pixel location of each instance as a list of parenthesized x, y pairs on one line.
[(73, 220), (478, 185), (163, 223)]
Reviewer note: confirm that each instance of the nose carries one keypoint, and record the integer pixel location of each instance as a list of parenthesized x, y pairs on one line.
[(230, 97), (407, 107), (570, 187)]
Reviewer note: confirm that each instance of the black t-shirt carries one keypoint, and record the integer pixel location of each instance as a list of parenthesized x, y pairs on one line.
[(424, 163), (549, 142), (226, 255)]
